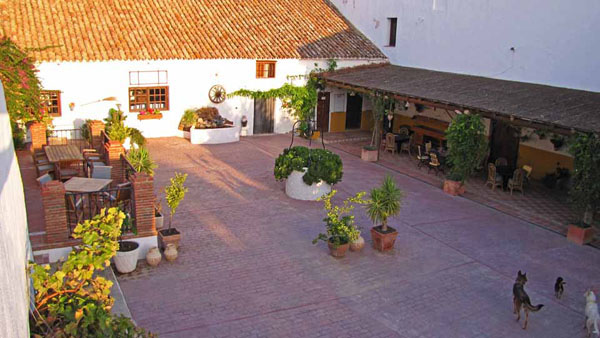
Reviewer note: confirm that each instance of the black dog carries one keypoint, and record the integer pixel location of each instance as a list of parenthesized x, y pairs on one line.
[(559, 287)]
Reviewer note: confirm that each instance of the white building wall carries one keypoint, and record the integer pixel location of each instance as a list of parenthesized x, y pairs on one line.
[(189, 82), (14, 243), (555, 42)]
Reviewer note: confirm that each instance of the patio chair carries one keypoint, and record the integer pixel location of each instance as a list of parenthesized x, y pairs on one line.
[(516, 182), (434, 164), (122, 197), (67, 170), (101, 171), (91, 154), (527, 171), (390, 143), (44, 179), (74, 211), (405, 146), (42, 169), (500, 161), (493, 179), (423, 158)]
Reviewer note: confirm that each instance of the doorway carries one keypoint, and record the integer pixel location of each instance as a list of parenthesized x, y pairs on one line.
[(323, 112), (353, 111), (505, 143), (264, 116)]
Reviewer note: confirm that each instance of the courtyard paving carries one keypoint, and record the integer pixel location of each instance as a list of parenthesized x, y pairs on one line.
[(247, 267)]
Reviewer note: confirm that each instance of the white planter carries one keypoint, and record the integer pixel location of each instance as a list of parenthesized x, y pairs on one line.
[(215, 135), (126, 261), (159, 221), (296, 188)]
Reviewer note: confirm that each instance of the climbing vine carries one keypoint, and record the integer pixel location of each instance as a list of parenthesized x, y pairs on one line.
[(585, 192)]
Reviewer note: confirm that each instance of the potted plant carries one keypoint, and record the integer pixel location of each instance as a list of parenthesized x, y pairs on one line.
[(341, 230), (158, 215), (385, 202), (309, 173), (128, 251), (468, 145), (175, 192), (141, 161), (584, 194)]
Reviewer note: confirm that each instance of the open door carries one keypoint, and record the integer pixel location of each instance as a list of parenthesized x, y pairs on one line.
[(323, 112), (505, 143), (264, 116), (353, 111)]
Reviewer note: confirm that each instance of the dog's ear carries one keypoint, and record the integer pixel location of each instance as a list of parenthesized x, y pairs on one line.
[(519, 273)]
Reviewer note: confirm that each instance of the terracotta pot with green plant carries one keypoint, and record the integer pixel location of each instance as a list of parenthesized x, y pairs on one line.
[(341, 229), (175, 192), (584, 194), (385, 202), (467, 145)]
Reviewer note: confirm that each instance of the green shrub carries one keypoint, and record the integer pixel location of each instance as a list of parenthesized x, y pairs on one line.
[(339, 222), (385, 202), (585, 192), (188, 119), (136, 137), (322, 165), (467, 144), (174, 193), (141, 161)]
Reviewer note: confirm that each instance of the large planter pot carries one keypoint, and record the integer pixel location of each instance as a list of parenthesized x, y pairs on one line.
[(169, 236), (369, 155), (383, 241), (358, 244), (158, 220), (215, 135), (339, 251), (453, 188), (580, 235), (296, 188), (127, 256)]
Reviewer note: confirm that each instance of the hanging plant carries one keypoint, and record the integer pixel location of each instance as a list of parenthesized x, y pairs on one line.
[(558, 141), (541, 133), (419, 107)]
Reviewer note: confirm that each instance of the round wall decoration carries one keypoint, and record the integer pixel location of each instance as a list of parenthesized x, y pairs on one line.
[(217, 94)]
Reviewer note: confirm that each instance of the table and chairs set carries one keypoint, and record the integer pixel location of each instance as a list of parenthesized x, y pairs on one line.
[(507, 177), (427, 156)]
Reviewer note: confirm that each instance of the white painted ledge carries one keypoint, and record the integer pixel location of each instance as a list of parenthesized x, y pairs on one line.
[(296, 188), (215, 135)]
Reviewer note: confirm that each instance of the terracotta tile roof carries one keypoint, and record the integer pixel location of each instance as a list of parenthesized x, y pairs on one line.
[(92, 30)]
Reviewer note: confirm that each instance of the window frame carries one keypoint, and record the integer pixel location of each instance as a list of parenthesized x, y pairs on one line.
[(260, 69), (58, 105), (392, 32), (147, 101)]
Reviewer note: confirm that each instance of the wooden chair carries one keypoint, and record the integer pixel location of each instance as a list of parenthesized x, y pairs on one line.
[(516, 182), (422, 157), (434, 164), (493, 179), (527, 171), (405, 146), (501, 161), (122, 197), (74, 211), (67, 170), (101, 171), (390, 143)]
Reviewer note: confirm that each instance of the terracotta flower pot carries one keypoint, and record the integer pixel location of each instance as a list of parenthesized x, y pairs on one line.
[(453, 188), (383, 241), (169, 236), (580, 235), (153, 257), (358, 244), (369, 155), (339, 251), (171, 252)]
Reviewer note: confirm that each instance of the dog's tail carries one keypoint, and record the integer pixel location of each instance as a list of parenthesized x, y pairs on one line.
[(533, 308)]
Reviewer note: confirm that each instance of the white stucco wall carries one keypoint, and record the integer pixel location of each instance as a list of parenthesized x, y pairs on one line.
[(555, 42), (14, 243), (188, 81)]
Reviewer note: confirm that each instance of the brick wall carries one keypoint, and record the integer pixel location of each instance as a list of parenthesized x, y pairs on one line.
[(96, 127), (38, 135), (55, 212), (143, 193), (113, 151)]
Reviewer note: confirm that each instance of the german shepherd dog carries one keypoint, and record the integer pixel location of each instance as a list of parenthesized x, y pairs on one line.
[(520, 298), (559, 287)]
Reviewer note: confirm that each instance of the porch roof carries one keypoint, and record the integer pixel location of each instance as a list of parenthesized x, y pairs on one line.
[(525, 104)]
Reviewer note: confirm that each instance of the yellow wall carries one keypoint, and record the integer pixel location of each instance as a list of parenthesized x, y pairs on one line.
[(542, 161), (337, 122)]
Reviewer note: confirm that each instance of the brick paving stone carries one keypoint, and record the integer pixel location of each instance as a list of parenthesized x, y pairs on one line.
[(247, 267)]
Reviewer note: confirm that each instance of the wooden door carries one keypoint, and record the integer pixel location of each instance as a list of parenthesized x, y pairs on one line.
[(353, 111), (504, 143), (264, 116), (323, 112)]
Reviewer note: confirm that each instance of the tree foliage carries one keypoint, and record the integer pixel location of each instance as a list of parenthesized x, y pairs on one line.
[(467, 144), (72, 301), (340, 225), (585, 192), (141, 161), (385, 202), (322, 165), (175, 192)]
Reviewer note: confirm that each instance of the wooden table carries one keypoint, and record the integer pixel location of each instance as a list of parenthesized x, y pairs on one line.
[(63, 153), (82, 184)]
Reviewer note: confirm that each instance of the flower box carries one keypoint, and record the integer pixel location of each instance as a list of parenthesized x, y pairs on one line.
[(149, 116)]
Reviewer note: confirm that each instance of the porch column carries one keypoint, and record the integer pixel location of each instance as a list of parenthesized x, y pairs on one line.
[(38, 135), (96, 127), (113, 151), (55, 212), (143, 195)]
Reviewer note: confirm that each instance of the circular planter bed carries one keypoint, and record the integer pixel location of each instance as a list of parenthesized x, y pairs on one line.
[(214, 135), (296, 188)]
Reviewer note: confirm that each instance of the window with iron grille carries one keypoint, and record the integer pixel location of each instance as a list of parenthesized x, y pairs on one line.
[(148, 98), (265, 69), (50, 100)]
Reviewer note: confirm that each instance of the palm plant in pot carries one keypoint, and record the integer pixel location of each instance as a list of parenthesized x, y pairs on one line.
[(468, 145), (128, 252), (175, 192), (341, 229), (584, 194), (385, 202)]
